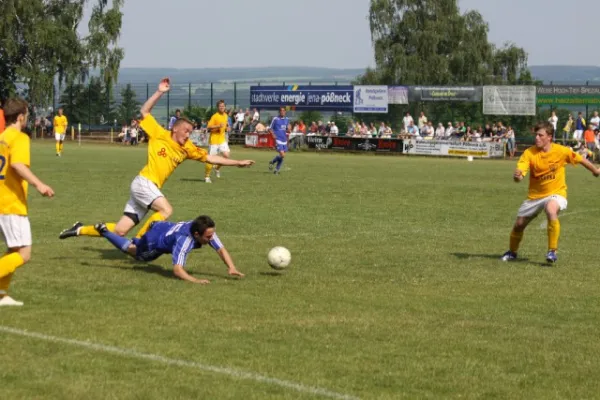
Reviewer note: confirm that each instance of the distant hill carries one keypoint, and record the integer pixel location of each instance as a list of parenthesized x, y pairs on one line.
[(562, 74), (248, 75), (547, 73)]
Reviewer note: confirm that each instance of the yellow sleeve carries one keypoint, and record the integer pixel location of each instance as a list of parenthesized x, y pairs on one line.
[(524, 162), (194, 153), (212, 121), (19, 150), (151, 127), (572, 157)]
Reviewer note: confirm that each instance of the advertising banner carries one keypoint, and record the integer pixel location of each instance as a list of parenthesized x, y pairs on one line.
[(398, 94), (509, 100), (568, 95), (447, 148), (325, 98), (259, 140), (355, 144), (445, 93), (370, 99)]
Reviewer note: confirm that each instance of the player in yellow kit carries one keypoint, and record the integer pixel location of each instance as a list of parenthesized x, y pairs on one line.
[(545, 162), (166, 150), (60, 130), (15, 177), (217, 126)]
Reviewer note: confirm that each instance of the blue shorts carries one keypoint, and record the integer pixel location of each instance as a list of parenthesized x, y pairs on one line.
[(145, 248), (282, 147)]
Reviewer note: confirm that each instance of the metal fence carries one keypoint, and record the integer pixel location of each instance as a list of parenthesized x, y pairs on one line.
[(182, 95)]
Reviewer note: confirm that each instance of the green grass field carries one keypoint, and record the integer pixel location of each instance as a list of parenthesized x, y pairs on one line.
[(395, 288)]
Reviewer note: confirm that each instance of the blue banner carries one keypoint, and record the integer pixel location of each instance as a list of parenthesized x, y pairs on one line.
[(294, 97)]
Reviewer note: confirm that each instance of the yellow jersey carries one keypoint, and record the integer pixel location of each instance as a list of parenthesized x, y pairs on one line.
[(547, 170), (165, 154), (60, 124), (217, 135), (14, 149)]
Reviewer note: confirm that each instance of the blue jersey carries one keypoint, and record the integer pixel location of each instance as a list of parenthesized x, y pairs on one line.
[(170, 238), (279, 127)]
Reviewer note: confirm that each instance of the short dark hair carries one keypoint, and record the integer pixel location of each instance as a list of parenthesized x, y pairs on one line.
[(13, 108), (201, 224), (220, 102), (178, 110), (182, 120), (545, 125)]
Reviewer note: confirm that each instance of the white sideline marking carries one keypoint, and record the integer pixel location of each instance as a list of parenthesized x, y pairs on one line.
[(183, 363), (544, 223)]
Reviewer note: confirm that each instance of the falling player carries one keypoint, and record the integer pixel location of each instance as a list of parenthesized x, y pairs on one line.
[(217, 127), (60, 129), (547, 187), (166, 150), (280, 127), (177, 239)]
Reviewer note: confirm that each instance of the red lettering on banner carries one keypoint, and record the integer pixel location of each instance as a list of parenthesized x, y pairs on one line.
[(384, 144), (342, 142)]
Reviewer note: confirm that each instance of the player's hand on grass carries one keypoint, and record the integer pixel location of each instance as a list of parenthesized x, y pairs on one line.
[(202, 281), (164, 85), (597, 172), (245, 163), (518, 175), (45, 190)]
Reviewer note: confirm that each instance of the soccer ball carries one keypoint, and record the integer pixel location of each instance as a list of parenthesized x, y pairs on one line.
[(279, 257)]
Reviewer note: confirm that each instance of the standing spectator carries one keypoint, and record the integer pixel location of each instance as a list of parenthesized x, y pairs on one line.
[(406, 121), (510, 141), (579, 127), (595, 121), (422, 121), (133, 133), (590, 138), (239, 121), (567, 128), (553, 120), (174, 118)]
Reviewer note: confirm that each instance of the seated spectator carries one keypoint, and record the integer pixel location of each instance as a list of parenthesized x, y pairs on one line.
[(334, 129), (440, 132), (260, 127), (449, 130), (302, 127), (314, 128), (322, 128)]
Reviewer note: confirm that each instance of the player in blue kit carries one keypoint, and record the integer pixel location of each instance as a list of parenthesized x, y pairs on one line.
[(177, 239), (280, 127)]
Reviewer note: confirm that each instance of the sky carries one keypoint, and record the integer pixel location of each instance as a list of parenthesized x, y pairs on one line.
[(329, 33)]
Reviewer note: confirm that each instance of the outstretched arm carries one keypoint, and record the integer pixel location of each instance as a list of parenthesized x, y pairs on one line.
[(163, 87), (232, 270), (590, 167), (181, 273), (218, 160)]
